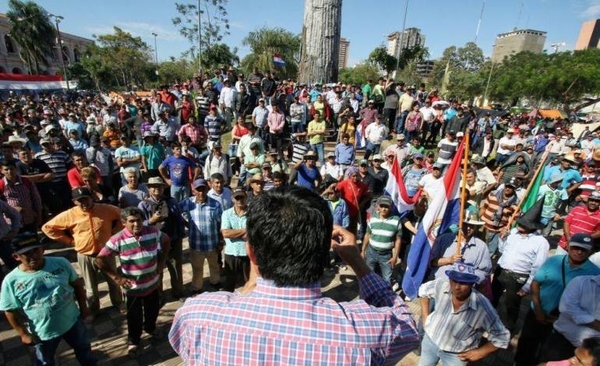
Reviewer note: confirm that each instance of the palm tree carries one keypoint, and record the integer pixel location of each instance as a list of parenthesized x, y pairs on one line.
[(266, 42), (31, 29)]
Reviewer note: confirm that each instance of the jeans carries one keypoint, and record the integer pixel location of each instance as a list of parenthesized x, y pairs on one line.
[(142, 312), (381, 259), (237, 271), (277, 143), (297, 127), (501, 159), (371, 148), (180, 193), (320, 150), (492, 240), (400, 122), (76, 337), (508, 284), (431, 354)]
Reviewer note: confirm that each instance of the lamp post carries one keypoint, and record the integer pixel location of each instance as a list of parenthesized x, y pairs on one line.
[(155, 54), (57, 19), (401, 40)]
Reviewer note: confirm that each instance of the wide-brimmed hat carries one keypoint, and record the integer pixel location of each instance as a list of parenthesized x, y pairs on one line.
[(15, 139), (556, 177), (462, 272), (472, 219), (256, 178), (155, 181)]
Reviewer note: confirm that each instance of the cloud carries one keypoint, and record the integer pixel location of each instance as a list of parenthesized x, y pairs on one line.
[(237, 25), (592, 10)]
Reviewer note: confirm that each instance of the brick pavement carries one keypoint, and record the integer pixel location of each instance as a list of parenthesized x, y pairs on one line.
[(108, 334)]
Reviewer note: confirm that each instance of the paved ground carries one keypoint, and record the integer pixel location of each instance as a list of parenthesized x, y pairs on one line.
[(108, 333)]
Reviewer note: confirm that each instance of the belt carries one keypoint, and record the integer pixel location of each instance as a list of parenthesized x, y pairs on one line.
[(381, 251), (515, 274)]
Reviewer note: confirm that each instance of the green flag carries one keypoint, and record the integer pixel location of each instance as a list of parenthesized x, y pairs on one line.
[(532, 196)]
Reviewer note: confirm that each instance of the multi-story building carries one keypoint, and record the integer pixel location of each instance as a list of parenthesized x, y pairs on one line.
[(344, 49), (72, 48), (410, 38), (589, 35), (519, 40)]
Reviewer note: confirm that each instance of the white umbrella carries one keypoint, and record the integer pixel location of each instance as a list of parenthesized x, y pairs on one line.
[(441, 103)]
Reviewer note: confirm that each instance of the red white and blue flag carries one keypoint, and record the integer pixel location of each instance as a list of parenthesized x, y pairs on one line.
[(19, 82), (443, 212), (278, 61), (396, 189)]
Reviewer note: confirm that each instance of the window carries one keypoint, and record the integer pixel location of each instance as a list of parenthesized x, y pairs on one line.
[(10, 47)]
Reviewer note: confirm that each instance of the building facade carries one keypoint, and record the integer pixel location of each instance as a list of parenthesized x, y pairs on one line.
[(72, 49), (519, 40), (589, 35), (344, 49), (410, 38)]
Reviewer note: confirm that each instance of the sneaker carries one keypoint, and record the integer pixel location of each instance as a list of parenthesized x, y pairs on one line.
[(132, 350), (396, 287)]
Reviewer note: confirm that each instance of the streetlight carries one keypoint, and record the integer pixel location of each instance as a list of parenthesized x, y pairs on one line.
[(155, 54), (57, 19), (401, 40)]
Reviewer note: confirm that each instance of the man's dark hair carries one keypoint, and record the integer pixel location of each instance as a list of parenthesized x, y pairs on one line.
[(131, 211), (592, 345), (289, 230), (78, 154), (7, 163), (217, 176), (175, 144)]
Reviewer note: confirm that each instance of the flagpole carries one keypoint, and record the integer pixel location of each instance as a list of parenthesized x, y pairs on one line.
[(463, 191), (531, 183)]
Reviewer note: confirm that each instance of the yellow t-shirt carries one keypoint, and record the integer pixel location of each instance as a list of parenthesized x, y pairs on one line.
[(316, 126)]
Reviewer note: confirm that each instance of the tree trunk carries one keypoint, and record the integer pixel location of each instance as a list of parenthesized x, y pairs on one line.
[(320, 41)]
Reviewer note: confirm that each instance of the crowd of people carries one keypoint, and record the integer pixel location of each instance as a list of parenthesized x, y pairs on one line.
[(124, 181)]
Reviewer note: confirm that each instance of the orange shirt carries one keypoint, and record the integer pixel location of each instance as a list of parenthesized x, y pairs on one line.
[(89, 231), (114, 138)]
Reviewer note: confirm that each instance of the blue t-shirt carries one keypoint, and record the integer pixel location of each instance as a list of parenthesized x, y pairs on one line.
[(179, 169), (46, 297), (550, 278), (306, 176), (411, 180), (570, 176)]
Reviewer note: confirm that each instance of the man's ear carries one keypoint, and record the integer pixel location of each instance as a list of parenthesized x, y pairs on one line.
[(250, 252)]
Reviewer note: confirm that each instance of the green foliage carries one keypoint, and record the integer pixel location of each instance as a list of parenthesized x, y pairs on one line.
[(466, 59), (214, 24), (175, 70), (219, 55), (564, 77), (31, 29), (381, 58), (264, 43), (358, 74)]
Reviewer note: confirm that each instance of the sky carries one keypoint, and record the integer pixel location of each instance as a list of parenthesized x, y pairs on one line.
[(365, 23)]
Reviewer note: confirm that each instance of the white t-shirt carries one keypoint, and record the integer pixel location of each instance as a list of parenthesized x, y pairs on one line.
[(506, 141)]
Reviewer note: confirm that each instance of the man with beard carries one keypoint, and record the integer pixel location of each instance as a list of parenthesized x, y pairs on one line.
[(582, 219)]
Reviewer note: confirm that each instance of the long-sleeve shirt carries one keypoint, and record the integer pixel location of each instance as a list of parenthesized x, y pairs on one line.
[(87, 231), (167, 129), (23, 193), (461, 330), (344, 154), (276, 121), (523, 254), (295, 326), (204, 224), (579, 305), (7, 212), (228, 97)]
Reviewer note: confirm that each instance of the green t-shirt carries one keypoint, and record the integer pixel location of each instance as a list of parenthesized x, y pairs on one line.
[(367, 90), (384, 231), (46, 297), (316, 126), (154, 155)]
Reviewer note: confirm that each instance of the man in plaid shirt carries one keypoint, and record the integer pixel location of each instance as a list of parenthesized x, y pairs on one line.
[(281, 318)]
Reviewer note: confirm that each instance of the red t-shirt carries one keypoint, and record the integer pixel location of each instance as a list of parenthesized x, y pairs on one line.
[(581, 221), (352, 193)]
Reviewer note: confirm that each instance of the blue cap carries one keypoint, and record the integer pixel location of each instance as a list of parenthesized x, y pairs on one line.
[(199, 183)]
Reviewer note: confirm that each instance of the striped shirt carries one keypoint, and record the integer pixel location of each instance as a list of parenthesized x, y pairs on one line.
[(58, 161), (294, 326), (383, 232), (213, 125), (205, 223), (491, 207), (461, 330), (580, 220), (22, 193), (138, 257)]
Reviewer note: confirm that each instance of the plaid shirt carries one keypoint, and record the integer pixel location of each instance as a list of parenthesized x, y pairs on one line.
[(26, 196), (196, 133), (294, 326), (205, 223)]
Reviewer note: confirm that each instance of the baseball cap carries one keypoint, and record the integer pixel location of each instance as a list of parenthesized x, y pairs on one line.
[(24, 242), (594, 196), (238, 192), (199, 183), (400, 137), (418, 156), (510, 130), (581, 240), (332, 155), (438, 166), (81, 192), (385, 201), (363, 162), (377, 157), (266, 166), (460, 134)]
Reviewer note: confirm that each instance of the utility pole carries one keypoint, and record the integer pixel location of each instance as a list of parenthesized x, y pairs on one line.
[(401, 40), (57, 19), (199, 38), (155, 54)]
